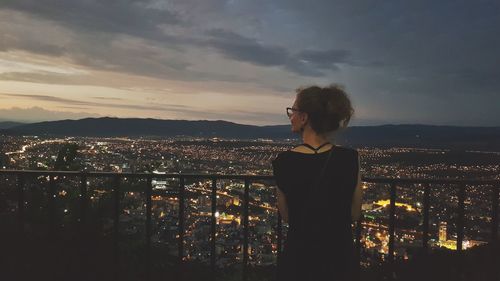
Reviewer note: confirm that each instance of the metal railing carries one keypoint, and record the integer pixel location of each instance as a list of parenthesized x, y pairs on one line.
[(117, 177)]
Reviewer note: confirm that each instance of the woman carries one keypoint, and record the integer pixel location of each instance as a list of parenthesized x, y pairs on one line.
[(318, 189)]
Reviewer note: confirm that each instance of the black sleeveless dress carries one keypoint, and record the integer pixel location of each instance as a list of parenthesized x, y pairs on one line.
[(321, 246)]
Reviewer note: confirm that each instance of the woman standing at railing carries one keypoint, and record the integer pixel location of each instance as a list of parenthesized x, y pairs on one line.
[(318, 189)]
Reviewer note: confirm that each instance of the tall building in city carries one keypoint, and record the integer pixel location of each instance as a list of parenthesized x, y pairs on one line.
[(442, 231)]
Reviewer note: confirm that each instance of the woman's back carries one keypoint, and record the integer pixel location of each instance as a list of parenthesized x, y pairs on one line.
[(320, 242)]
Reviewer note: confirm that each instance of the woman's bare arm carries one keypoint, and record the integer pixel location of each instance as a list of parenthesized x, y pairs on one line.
[(282, 206), (357, 198)]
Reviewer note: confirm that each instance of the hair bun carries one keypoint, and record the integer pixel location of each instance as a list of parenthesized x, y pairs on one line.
[(329, 108)]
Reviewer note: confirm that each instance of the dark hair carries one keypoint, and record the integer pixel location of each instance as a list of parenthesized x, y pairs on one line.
[(328, 108)]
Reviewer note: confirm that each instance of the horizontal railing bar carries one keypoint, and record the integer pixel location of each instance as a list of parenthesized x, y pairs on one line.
[(139, 175), (429, 181), (243, 177)]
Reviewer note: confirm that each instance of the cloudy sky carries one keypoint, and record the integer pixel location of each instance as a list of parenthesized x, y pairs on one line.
[(427, 62)]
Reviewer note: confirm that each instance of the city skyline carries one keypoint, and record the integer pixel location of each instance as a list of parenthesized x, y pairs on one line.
[(426, 62)]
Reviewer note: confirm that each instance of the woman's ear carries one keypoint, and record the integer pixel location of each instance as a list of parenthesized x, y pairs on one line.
[(304, 118)]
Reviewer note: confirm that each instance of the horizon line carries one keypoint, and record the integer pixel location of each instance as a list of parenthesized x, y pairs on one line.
[(25, 122)]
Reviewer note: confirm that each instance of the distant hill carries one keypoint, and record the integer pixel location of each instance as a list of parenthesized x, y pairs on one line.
[(9, 124), (108, 127), (428, 136), (480, 138)]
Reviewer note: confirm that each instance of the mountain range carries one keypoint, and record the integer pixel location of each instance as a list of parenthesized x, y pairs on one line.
[(429, 136), (9, 124)]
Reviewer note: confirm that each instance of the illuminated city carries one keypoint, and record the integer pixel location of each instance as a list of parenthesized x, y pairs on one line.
[(222, 156)]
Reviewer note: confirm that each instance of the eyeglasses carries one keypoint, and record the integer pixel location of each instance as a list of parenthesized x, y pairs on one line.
[(290, 110)]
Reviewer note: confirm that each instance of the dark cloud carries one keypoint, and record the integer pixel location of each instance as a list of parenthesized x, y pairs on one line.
[(49, 78), (439, 47), (107, 98), (307, 62), (102, 25), (75, 107), (122, 36), (324, 59), (132, 56), (27, 36), (45, 98), (33, 46), (133, 17), (164, 107), (241, 48)]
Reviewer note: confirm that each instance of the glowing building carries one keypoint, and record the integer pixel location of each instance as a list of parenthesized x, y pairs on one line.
[(442, 231)]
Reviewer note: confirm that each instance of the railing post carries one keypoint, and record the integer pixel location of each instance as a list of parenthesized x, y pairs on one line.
[(213, 228), (82, 234), (357, 248), (149, 188), (494, 213), (280, 237), (116, 218), (181, 228), (20, 204), (52, 208), (83, 202), (245, 229), (392, 221), (460, 218), (425, 226)]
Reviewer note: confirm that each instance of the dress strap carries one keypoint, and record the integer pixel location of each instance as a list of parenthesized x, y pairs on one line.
[(315, 149)]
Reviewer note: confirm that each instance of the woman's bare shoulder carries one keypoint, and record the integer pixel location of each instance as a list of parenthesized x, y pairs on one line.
[(302, 149)]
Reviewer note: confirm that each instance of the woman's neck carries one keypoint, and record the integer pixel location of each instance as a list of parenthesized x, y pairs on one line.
[(312, 138)]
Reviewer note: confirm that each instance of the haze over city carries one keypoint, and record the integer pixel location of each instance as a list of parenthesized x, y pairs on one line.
[(422, 62)]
